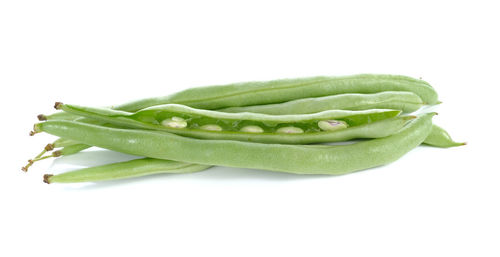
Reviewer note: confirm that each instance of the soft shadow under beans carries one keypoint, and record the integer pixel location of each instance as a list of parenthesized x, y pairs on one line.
[(211, 175)]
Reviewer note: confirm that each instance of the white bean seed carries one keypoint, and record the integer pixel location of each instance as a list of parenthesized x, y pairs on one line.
[(332, 125), (174, 122), (211, 127), (290, 130), (252, 129)]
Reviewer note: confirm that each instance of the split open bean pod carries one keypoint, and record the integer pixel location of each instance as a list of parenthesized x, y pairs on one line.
[(322, 127)]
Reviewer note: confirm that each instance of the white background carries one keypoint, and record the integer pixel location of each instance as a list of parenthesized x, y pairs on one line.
[(431, 202)]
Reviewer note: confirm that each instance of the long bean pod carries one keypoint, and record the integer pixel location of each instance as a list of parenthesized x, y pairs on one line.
[(335, 160), (278, 91), (121, 170), (399, 100), (327, 126)]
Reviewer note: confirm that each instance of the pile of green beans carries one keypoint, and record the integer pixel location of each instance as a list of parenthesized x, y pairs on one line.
[(282, 125)]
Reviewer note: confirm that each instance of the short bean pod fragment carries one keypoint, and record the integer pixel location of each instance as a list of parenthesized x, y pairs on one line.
[(438, 137)]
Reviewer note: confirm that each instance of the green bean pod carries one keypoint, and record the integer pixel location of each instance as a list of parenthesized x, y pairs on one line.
[(398, 100), (278, 91), (299, 159), (63, 142), (122, 170), (72, 149), (327, 126), (440, 138)]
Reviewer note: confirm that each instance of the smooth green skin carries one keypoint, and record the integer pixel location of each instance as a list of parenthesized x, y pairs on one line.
[(72, 149), (405, 101), (122, 170), (362, 120), (61, 116), (279, 91), (70, 146), (440, 138), (299, 159), (63, 142)]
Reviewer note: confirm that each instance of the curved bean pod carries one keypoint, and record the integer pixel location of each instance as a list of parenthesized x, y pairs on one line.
[(232, 126), (121, 170), (440, 138), (398, 100), (278, 91), (334, 160)]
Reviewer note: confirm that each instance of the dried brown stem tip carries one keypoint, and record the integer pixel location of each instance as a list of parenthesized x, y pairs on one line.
[(32, 133), (46, 178), (56, 153), (25, 169), (41, 117), (58, 105), (49, 147)]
